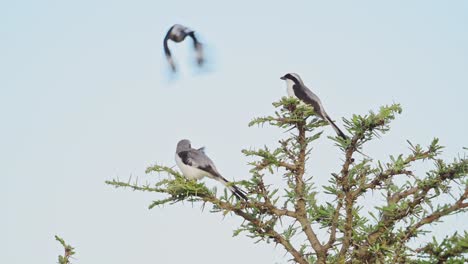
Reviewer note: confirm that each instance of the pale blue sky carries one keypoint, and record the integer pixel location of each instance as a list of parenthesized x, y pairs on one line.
[(83, 99)]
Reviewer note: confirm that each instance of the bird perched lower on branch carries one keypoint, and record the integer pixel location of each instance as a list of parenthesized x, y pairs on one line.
[(178, 33), (195, 164), (296, 88)]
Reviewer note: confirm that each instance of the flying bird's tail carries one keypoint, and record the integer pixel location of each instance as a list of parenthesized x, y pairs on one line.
[(240, 194), (335, 127)]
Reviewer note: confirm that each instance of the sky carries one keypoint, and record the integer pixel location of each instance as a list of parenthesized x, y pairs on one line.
[(85, 98)]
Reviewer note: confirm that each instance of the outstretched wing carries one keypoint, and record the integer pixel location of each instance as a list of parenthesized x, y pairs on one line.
[(198, 48), (166, 39), (167, 51)]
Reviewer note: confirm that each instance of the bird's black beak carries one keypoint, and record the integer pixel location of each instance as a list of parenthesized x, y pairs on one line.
[(283, 78)]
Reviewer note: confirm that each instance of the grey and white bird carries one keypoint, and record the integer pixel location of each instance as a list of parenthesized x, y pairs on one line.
[(178, 33), (195, 164), (296, 88)]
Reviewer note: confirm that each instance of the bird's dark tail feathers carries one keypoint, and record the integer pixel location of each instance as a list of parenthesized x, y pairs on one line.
[(336, 128), (239, 193)]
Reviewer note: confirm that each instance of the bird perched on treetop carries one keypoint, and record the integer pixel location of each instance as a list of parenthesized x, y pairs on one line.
[(296, 88), (178, 33), (195, 164)]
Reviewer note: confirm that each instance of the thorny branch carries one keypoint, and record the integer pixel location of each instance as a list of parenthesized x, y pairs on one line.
[(353, 238)]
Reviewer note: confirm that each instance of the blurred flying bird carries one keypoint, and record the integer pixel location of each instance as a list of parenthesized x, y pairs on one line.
[(178, 33)]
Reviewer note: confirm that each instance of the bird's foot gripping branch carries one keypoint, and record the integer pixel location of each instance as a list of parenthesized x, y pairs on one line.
[(342, 228)]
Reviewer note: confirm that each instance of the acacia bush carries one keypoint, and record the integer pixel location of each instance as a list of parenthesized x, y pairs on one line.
[(340, 229)]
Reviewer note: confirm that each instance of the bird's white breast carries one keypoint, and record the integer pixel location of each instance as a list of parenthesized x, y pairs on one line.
[(290, 90), (189, 172)]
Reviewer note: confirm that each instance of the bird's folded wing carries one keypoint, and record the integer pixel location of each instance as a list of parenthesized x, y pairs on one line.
[(198, 159), (308, 97)]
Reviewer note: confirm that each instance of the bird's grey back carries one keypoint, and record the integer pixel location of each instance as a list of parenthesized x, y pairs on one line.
[(312, 95), (315, 102), (179, 32), (200, 158), (196, 157), (177, 29), (307, 91)]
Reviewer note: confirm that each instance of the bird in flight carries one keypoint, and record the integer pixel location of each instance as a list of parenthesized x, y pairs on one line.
[(296, 88), (195, 164), (178, 33)]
